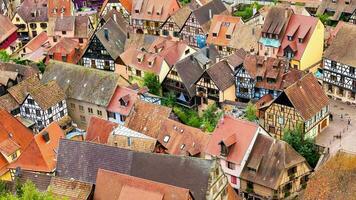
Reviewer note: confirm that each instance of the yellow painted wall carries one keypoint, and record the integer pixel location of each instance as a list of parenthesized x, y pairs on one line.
[(314, 51), (21, 21), (164, 71), (228, 94), (6, 176)]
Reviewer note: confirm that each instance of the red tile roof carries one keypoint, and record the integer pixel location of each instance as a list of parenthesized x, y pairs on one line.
[(7, 28), (155, 10), (222, 25), (65, 45), (134, 188), (99, 129), (39, 155), (10, 127), (122, 93), (299, 26), (37, 41), (8, 147), (243, 131)]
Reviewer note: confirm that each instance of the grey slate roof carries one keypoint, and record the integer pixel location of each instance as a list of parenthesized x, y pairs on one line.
[(81, 160), (203, 16), (40, 180), (81, 83), (24, 70), (222, 75), (115, 45)]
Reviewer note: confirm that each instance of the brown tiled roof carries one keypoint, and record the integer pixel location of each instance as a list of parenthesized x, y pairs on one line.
[(271, 68), (47, 95), (99, 130), (39, 155), (122, 93), (338, 7), (183, 139), (202, 14), (6, 28), (40, 180), (5, 76), (130, 187), (94, 86), (270, 158), (343, 47), (8, 103), (33, 11), (70, 189), (148, 9), (222, 75), (20, 91), (65, 46), (78, 24), (146, 118), (276, 20), (181, 16), (79, 160), (307, 96), (334, 180), (246, 37), (243, 132), (23, 70)]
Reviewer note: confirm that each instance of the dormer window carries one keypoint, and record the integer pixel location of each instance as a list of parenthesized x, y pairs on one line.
[(271, 80), (228, 37), (259, 78), (290, 38), (62, 10), (300, 40), (215, 35), (347, 2), (334, 1), (54, 10), (166, 138), (137, 11), (224, 151)]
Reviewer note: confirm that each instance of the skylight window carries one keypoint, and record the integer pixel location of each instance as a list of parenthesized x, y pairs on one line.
[(166, 138)]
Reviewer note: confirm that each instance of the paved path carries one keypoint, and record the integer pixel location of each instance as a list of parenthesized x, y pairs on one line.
[(330, 137)]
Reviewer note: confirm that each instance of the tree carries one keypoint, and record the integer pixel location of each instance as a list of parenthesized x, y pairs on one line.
[(4, 56), (251, 112), (41, 66), (304, 146), (28, 192), (170, 99), (324, 18), (150, 80), (211, 117)]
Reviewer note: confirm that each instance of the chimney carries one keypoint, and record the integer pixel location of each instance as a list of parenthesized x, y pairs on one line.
[(128, 35), (106, 33), (208, 53), (45, 136), (210, 14)]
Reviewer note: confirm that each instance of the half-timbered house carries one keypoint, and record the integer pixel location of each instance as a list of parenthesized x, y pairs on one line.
[(158, 57), (303, 104), (175, 22), (105, 46), (259, 76), (197, 26), (216, 84), (147, 16), (339, 73), (44, 104)]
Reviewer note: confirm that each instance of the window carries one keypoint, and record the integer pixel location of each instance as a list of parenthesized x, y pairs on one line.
[(43, 25), (33, 25), (352, 70), (187, 51), (64, 58), (54, 39), (99, 112), (333, 64), (61, 113), (107, 63), (228, 36), (271, 129), (287, 187), (38, 113), (14, 156), (233, 179), (31, 101), (138, 73), (64, 32), (281, 120), (82, 118), (17, 19), (300, 40), (60, 104), (206, 80), (81, 108), (182, 146), (230, 165), (49, 111), (166, 138), (193, 20), (50, 119), (72, 105), (292, 170), (80, 40), (128, 141), (250, 185), (90, 110)]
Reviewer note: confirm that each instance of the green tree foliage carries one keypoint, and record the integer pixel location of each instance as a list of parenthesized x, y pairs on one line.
[(206, 121), (184, 2), (324, 18), (251, 112), (169, 99), (246, 11), (41, 66), (4, 56), (150, 80), (304, 146), (28, 191)]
